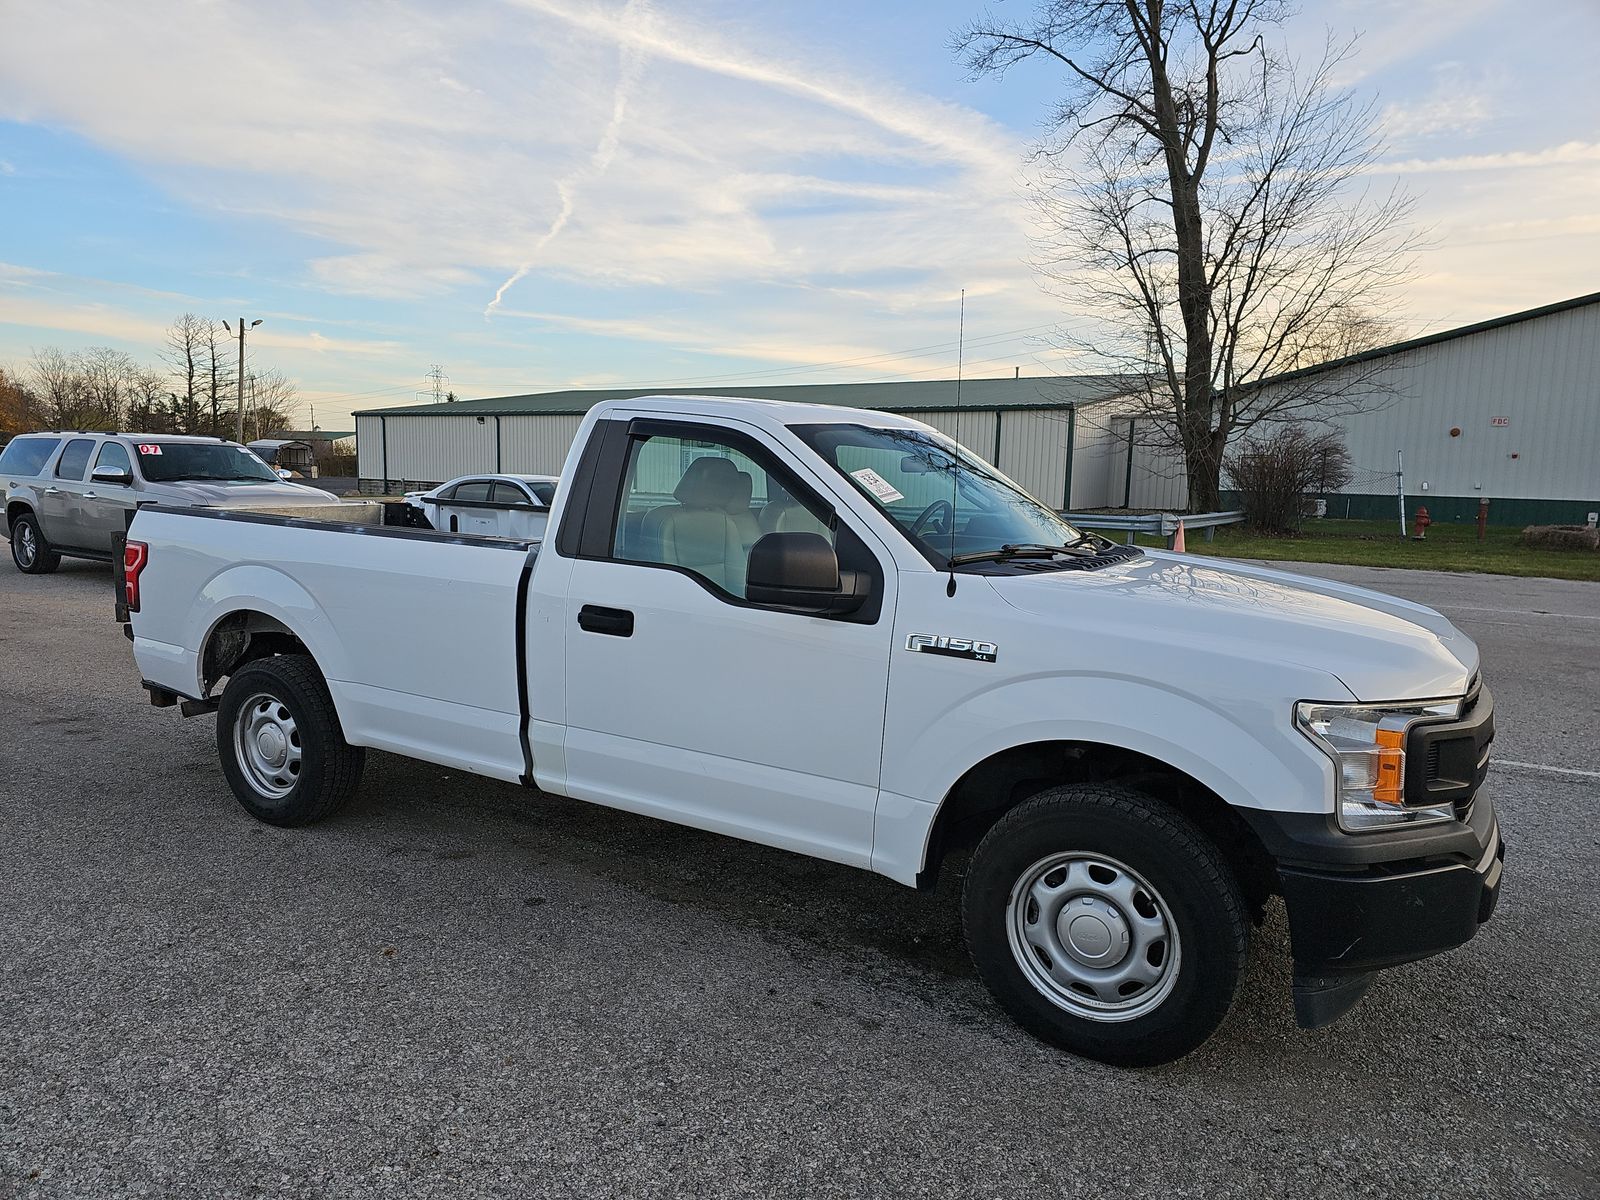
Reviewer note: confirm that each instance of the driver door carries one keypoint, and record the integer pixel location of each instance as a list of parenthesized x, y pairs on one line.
[(684, 698)]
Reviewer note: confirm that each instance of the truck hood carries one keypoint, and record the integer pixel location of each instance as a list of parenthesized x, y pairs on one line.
[(226, 494), (1379, 647)]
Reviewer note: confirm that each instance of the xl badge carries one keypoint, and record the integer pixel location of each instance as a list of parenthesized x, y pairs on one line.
[(929, 643)]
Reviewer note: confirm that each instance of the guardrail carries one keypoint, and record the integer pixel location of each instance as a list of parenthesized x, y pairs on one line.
[(1162, 524)]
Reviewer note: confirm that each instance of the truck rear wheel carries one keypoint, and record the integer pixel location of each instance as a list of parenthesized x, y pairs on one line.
[(281, 746), (1106, 924), (29, 550)]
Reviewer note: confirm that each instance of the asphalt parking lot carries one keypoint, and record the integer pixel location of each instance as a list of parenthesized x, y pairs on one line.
[(457, 988)]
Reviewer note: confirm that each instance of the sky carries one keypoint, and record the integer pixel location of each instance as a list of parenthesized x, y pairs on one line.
[(537, 194)]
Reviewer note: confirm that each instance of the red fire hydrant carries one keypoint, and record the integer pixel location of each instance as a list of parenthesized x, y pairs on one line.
[(1423, 520)]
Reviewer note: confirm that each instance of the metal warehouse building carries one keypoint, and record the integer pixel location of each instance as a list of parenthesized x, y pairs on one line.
[(1506, 409), (1053, 435)]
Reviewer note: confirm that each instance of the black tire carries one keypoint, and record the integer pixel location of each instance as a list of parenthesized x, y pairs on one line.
[(283, 701), (25, 532), (1151, 848)]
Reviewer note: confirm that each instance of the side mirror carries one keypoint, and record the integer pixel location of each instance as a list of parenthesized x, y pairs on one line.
[(801, 571), (285, 474), (113, 476)]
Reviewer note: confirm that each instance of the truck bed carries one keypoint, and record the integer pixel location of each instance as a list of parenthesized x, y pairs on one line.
[(440, 676)]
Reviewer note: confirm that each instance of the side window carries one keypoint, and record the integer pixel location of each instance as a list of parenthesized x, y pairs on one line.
[(74, 459), (508, 493), (112, 454), (478, 489), (28, 455), (702, 504)]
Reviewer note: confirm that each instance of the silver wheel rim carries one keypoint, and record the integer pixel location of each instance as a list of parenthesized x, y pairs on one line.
[(1093, 936), (27, 545), (266, 742)]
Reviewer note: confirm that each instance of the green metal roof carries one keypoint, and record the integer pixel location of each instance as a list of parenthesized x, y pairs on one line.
[(1054, 391)]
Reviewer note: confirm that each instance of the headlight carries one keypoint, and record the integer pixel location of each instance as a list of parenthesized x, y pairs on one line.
[(1367, 743)]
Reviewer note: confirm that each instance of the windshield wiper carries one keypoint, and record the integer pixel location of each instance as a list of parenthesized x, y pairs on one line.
[(1085, 545), (1010, 550)]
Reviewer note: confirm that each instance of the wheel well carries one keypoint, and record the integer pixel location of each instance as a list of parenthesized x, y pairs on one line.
[(999, 783), (242, 637), (15, 509)]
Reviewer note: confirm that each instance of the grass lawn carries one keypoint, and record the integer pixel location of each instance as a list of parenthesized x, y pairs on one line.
[(1378, 544)]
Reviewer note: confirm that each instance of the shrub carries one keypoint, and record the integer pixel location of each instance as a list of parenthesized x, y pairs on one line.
[(1276, 474)]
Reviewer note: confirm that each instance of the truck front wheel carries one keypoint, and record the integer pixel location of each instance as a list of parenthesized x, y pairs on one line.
[(1106, 923), (281, 746)]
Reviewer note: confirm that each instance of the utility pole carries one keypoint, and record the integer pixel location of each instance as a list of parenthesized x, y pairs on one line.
[(238, 418), (436, 373)]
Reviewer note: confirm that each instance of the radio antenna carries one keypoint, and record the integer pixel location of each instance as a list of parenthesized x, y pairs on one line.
[(961, 350)]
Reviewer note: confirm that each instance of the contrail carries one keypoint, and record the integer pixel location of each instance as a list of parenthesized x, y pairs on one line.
[(630, 65)]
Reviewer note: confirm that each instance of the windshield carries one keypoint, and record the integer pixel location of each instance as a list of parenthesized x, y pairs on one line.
[(908, 474), (170, 462)]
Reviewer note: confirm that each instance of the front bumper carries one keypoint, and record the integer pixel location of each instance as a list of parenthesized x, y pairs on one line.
[(1359, 903)]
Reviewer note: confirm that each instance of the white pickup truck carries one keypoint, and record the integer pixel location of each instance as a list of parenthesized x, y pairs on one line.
[(836, 632)]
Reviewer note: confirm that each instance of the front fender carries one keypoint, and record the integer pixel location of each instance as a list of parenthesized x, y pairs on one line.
[(259, 588), (1220, 746)]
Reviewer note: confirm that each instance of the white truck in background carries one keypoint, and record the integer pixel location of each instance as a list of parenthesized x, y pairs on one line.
[(835, 632)]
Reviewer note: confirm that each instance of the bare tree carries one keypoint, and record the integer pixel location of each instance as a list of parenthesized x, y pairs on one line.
[(108, 376), (1203, 194), (221, 379), (187, 339), (151, 407), (57, 385), (87, 389), (270, 404), (18, 408)]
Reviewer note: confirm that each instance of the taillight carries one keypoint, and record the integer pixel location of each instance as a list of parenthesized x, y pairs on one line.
[(134, 557)]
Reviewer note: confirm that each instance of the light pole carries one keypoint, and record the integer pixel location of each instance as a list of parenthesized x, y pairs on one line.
[(238, 418)]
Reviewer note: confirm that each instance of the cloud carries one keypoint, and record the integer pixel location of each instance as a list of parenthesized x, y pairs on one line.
[(1461, 101), (957, 134), (608, 144), (628, 69), (1566, 154)]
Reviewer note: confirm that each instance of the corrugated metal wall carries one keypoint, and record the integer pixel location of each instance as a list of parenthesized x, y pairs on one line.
[(1098, 460), (1033, 451), (1158, 479), (1540, 377), (536, 445), (1525, 398), (973, 428), (369, 448), (431, 449)]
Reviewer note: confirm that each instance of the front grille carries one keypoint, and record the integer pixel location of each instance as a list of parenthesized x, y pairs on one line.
[(1447, 761)]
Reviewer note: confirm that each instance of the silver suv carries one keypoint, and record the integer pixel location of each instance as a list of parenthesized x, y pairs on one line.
[(69, 493)]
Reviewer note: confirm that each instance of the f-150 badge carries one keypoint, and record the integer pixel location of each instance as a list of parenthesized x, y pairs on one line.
[(931, 643)]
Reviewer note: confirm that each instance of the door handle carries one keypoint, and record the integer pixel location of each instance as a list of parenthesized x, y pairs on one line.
[(618, 622), (52, 491), (90, 496)]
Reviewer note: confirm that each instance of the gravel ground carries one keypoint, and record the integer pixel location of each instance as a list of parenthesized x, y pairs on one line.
[(458, 988)]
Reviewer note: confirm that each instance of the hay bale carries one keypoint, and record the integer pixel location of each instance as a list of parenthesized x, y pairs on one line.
[(1561, 537)]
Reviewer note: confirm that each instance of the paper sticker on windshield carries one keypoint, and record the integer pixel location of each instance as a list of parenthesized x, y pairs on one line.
[(877, 485), (152, 448)]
